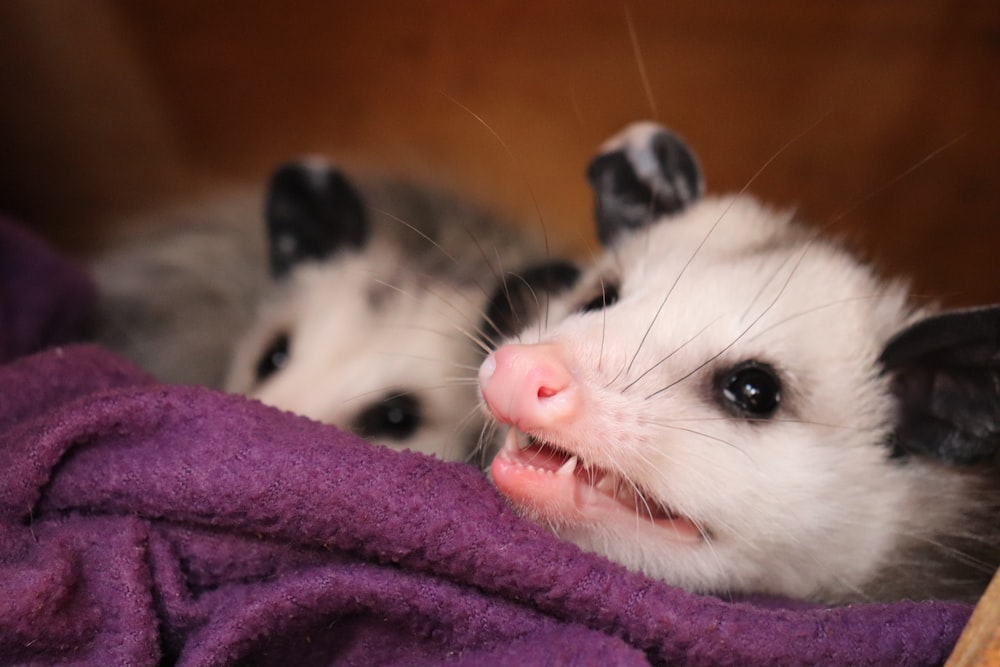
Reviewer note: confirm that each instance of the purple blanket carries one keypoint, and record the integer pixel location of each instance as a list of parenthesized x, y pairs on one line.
[(143, 524)]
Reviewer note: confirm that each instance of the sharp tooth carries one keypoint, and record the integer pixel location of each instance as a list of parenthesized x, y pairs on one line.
[(605, 483), (568, 467), (510, 441), (523, 441)]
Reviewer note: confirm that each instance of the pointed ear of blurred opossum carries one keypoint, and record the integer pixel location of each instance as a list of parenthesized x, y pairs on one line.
[(312, 211)]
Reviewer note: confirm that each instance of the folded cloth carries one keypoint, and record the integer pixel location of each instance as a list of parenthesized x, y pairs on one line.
[(144, 524)]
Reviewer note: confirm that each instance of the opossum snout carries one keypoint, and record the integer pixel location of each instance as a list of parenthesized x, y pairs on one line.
[(529, 386)]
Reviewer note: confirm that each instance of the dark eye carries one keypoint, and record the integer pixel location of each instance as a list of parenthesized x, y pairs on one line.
[(396, 417), (607, 297), (752, 389), (275, 358)]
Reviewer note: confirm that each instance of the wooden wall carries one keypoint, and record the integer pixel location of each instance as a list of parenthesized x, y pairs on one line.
[(880, 118)]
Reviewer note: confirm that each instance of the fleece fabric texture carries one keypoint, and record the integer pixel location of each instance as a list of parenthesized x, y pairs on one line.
[(143, 524)]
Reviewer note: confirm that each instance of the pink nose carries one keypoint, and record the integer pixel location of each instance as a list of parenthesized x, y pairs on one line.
[(528, 386)]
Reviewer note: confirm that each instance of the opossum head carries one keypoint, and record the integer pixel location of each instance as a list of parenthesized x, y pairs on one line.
[(724, 400), (354, 333)]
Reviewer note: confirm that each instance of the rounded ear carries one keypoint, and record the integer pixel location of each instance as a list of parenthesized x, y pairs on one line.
[(520, 299), (945, 374), (641, 175), (312, 211)]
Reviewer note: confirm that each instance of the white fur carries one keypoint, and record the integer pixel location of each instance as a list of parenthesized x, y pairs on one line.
[(805, 504), (635, 142), (186, 287), (346, 354)]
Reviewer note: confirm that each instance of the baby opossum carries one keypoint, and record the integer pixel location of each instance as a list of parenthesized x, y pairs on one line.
[(728, 402), (368, 317)]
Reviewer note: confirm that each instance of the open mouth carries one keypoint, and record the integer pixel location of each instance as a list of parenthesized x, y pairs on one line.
[(553, 484)]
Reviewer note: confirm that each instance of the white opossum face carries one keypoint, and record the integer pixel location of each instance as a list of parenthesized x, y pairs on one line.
[(355, 342), (707, 405), (714, 433)]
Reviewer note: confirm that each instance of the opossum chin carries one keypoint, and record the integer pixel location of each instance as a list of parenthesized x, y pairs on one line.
[(556, 486)]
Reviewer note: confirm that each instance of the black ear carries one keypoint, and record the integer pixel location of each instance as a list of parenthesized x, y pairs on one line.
[(312, 212), (946, 375), (641, 174), (520, 299)]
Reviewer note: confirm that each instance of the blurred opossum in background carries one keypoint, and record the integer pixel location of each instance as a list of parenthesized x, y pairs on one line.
[(372, 314)]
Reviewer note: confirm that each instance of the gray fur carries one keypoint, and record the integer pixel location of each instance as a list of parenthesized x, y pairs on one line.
[(188, 296), (177, 286)]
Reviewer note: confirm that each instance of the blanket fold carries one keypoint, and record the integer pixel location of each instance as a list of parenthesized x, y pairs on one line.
[(145, 524)]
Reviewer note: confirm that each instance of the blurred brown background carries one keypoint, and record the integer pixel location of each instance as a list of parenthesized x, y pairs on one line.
[(117, 106)]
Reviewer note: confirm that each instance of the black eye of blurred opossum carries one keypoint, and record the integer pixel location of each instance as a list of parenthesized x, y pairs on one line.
[(275, 358), (752, 389), (397, 416)]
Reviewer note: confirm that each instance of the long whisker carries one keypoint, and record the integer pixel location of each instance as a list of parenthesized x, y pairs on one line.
[(702, 434), (640, 63), (815, 309), (534, 297), (672, 353), (417, 231), (744, 332), (892, 181), (448, 302), (604, 324), (486, 441), (494, 270), (515, 162), (763, 286), (505, 285), (711, 231), (455, 334), (774, 420)]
